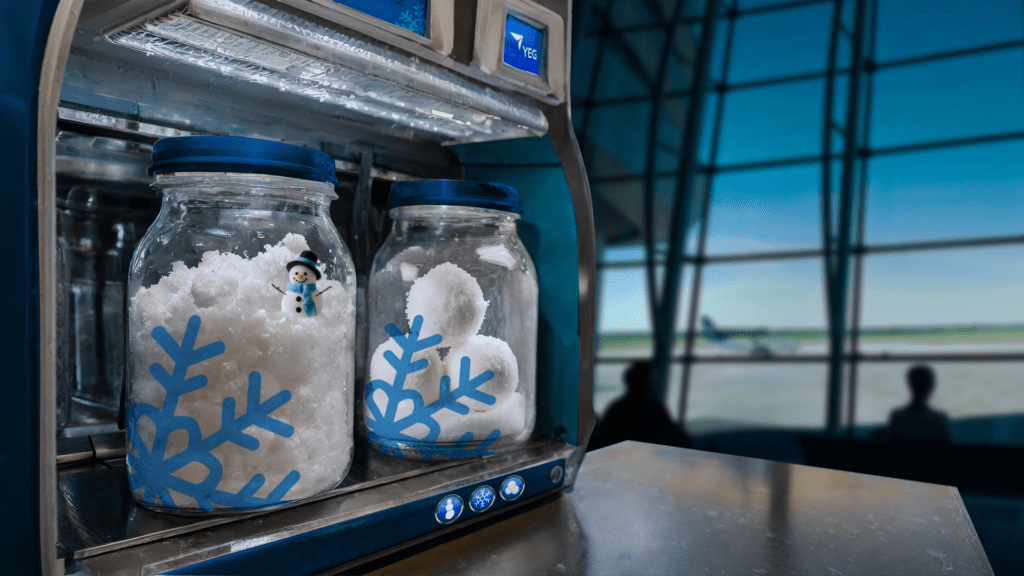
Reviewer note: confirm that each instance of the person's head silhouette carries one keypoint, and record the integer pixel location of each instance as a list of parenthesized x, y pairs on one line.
[(921, 380), (638, 377)]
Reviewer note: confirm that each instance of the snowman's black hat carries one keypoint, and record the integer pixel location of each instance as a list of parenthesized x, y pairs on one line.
[(306, 258)]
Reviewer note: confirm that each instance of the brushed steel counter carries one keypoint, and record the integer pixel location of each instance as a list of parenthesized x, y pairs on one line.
[(646, 509)]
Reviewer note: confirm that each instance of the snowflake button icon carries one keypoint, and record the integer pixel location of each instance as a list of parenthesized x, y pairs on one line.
[(482, 499), (449, 509), (512, 487)]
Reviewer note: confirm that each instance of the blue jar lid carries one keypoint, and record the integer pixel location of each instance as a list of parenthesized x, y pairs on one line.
[(237, 154), (455, 193)]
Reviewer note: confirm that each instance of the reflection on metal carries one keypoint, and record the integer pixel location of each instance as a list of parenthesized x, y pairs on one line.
[(567, 148), (253, 42)]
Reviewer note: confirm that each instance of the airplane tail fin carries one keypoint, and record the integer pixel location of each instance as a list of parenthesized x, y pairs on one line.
[(710, 331)]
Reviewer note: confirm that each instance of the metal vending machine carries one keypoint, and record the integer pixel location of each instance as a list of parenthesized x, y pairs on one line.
[(392, 90)]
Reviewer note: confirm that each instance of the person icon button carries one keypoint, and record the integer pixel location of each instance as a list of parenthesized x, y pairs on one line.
[(449, 509), (512, 487)]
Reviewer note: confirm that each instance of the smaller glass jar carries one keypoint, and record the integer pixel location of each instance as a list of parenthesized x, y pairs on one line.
[(452, 328), (241, 330)]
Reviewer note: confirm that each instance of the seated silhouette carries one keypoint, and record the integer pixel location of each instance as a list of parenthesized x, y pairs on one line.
[(916, 421), (638, 415)]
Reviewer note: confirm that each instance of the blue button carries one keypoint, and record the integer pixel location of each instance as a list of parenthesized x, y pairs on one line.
[(524, 45), (482, 499), (512, 487), (449, 509)]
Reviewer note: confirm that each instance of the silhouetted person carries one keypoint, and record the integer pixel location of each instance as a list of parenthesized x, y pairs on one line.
[(638, 416), (916, 421)]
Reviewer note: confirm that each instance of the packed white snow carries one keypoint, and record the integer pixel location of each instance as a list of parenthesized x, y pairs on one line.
[(485, 353), (508, 418), (450, 301), (309, 356)]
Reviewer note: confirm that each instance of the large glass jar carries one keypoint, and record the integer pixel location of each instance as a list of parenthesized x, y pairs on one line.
[(241, 330), (452, 348)]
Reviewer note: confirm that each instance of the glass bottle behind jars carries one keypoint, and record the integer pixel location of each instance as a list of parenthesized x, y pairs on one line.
[(452, 324), (100, 227), (241, 330)]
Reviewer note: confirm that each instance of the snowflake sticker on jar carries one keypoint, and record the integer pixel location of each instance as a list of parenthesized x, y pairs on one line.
[(240, 393)]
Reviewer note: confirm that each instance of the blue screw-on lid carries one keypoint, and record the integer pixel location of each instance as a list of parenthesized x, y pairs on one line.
[(455, 193), (237, 154)]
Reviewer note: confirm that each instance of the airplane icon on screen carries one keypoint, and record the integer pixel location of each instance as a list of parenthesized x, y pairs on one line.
[(518, 38)]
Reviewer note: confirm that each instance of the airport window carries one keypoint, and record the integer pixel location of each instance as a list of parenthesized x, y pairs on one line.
[(765, 210), (720, 396), (913, 29), (929, 186), (943, 300), (780, 43), (958, 192), (754, 119), (916, 103), (994, 388)]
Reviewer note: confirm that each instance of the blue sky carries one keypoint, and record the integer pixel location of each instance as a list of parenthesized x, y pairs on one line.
[(963, 191)]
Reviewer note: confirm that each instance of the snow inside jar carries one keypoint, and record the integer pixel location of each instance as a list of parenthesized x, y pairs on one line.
[(241, 330), (452, 325)]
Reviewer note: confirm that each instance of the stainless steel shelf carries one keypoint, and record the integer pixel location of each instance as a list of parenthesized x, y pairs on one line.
[(97, 516)]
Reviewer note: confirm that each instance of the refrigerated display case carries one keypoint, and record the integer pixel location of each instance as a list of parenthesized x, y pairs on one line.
[(393, 91)]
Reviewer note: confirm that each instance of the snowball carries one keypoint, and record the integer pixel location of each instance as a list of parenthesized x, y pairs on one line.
[(451, 303), (497, 254), (508, 418), (426, 381), (310, 357), (485, 353), (409, 271)]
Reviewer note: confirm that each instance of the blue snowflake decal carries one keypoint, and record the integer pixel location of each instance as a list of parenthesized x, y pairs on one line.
[(390, 432), (153, 472), (413, 20)]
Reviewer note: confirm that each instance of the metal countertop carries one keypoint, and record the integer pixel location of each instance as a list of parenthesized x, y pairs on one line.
[(646, 509)]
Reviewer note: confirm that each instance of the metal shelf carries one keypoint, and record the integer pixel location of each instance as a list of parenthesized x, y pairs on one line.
[(98, 519)]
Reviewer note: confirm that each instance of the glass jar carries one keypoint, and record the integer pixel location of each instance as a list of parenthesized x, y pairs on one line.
[(241, 330), (452, 348)]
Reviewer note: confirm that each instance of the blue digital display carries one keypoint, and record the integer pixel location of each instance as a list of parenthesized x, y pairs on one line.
[(524, 45), (409, 14)]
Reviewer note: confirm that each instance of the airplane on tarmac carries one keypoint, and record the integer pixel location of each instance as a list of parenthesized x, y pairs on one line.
[(758, 343)]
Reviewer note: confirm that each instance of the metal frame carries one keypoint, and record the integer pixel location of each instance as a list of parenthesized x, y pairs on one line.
[(42, 481), (844, 282)]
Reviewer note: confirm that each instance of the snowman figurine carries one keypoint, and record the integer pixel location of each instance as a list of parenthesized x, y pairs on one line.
[(301, 297)]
